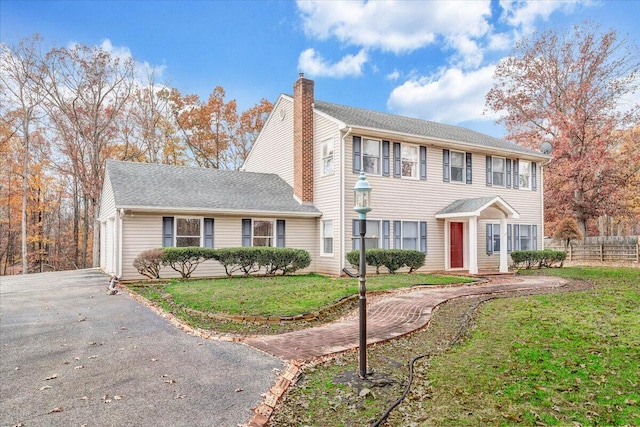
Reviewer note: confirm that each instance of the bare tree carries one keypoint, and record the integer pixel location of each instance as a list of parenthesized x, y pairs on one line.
[(87, 89), (21, 97)]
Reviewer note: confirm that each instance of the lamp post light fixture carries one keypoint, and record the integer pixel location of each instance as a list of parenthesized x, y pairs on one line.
[(362, 205)]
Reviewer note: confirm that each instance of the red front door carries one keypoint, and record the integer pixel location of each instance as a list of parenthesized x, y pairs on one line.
[(457, 246)]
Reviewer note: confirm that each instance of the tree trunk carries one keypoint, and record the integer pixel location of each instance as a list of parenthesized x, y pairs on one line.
[(25, 188)]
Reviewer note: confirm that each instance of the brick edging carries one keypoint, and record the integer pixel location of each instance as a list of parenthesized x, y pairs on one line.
[(263, 412)]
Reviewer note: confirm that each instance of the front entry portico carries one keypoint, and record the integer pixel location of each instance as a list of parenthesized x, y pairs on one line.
[(461, 230)]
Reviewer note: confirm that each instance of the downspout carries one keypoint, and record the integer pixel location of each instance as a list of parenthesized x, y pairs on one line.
[(119, 257), (342, 192)]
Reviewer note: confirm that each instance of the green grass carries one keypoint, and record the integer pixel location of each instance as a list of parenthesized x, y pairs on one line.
[(279, 295), (555, 359)]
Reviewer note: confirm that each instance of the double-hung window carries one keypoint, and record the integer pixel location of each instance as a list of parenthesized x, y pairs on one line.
[(525, 237), (498, 171), (263, 232), (371, 156), (410, 235), (327, 237), (187, 231), (457, 166), (371, 237), (327, 157), (409, 161), (524, 174)]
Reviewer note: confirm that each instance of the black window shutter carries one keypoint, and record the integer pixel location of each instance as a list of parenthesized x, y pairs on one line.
[(469, 168), (423, 236), (397, 235), (534, 237), (423, 162), (489, 175), (509, 239), (208, 232), (516, 237), (445, 165), (386, 238), (385, 158), (516, 178), (167, 231), (357, 165), (508, 180), (355, 240), (280, 242), (397, 160), (534, 176), (246, 232), (489, 239)]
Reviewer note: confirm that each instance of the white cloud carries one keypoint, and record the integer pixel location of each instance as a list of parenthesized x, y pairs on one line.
[(450, 96), (142, 70), (393, 76), (524, 14), (313, 64), (398, 27)]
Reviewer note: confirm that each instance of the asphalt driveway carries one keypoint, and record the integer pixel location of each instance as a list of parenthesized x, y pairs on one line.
[(71, 355)]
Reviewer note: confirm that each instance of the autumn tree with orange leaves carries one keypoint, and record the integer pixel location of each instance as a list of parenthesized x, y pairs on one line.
[(63, 112), (571, 89)]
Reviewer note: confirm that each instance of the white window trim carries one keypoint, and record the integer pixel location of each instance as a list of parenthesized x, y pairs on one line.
[(175, 229), (464, 167), (520, 187), (504, 172), (364, 140), (331, 142), (530, 236), (322, 237), (417, 147), (274, 236)]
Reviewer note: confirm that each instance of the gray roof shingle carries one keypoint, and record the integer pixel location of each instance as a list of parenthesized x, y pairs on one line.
[(358, 117), (149, 185), (465, 205)]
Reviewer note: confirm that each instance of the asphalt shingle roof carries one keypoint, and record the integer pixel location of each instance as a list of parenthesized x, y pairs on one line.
[(149, 185), (359, 117), (466, 205)]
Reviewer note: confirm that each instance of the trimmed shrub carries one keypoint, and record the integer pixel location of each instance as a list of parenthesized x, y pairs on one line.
[(545, 258), (414, 259), (148, 263), (185, 260), (251, 260), (392, 259)]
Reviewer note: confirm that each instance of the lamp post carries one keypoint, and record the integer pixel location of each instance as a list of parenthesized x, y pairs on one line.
[(362, 205)]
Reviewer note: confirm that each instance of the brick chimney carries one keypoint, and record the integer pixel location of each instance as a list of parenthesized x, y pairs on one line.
[(303, 139)]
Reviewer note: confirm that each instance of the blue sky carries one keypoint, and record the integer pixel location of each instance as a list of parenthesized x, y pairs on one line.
[(427, 59)]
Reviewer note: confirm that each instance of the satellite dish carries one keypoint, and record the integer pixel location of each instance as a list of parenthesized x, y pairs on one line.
[(546, 148)]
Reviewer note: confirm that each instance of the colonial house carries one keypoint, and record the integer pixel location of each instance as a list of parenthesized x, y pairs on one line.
[(464, 198)]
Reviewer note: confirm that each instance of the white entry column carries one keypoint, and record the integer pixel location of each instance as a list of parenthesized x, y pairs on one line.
[(473, 245), (504, 263)]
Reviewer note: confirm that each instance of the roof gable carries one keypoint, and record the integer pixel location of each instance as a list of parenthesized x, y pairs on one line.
[(164, 187)]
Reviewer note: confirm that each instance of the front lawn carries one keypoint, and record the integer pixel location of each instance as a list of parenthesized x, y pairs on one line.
[(270, 296), (554, 359)]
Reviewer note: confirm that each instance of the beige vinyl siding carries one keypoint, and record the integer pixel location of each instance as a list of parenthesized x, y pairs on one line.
[(272, 151), (406, 199), (144, 231), (326, 192), (107, 199)]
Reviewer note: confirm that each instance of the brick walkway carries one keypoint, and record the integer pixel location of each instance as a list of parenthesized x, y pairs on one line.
[(388, 316)]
